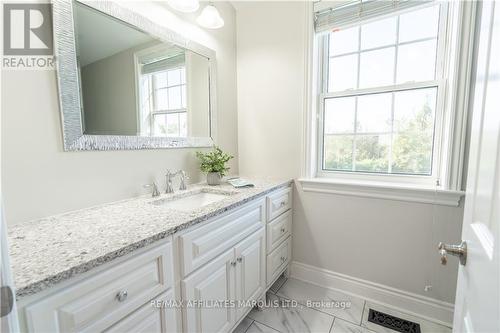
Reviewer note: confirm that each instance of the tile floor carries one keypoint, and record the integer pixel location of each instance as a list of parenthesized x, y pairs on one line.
[(332, 312)]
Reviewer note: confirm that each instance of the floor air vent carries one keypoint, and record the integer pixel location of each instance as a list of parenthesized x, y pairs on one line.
[(394, 323)]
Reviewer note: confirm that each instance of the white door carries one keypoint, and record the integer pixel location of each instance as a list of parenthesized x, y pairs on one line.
[(8, 319), (204, 289), (250, 270), (478, 294)]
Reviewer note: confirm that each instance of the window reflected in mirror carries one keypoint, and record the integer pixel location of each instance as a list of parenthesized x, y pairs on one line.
[(134, 84)]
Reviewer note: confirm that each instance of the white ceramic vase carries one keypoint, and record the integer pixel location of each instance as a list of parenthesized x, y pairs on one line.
[(213, 178)]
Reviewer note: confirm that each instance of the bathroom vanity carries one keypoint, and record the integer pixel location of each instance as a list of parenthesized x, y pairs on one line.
[(149, 264)]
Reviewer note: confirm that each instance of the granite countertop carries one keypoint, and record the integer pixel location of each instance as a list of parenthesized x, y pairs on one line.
[(47, 251)]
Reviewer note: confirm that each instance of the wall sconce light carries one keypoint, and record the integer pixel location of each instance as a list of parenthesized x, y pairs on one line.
[(210, 18)]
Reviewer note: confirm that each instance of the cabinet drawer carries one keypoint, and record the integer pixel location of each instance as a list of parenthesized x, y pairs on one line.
[(210, 240), (93, 304), (278, 259), (278, 203), (278, 230), (155, 316)]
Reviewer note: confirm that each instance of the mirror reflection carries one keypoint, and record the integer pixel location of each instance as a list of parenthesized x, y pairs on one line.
[(134, 84)]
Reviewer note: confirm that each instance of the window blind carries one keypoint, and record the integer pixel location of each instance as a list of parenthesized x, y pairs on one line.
[(330, 15), (163, 64)]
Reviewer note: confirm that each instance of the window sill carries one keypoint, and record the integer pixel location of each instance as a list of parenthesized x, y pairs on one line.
[(399, 192)]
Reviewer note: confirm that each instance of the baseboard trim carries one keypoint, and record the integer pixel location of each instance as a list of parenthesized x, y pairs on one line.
[(413, 304)]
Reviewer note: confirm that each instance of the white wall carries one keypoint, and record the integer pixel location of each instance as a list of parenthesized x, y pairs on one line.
[(40, 179), (198, 97), (270, 87), (383, 241)]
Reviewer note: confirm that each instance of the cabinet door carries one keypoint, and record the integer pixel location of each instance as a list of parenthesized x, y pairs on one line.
[(155, 316), (205, 293), (250, 270)]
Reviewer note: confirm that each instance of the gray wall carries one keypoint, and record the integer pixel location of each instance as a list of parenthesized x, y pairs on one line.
[(197, 90), (40, 179), (383, 241), (109, 96)]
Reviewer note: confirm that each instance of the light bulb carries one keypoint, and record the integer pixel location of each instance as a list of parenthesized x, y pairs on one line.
[(210, 18), (185, 6)]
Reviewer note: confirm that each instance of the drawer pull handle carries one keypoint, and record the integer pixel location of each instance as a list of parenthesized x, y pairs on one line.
[(122, 296), (283, 259), (239, 259), (282, 204), (283, 230)]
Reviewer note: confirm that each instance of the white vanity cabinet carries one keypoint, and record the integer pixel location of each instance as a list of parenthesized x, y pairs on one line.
[(279, 231), (219, 292), (236, 274), (216, 270)]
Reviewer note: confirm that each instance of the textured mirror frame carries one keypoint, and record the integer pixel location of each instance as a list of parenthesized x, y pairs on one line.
[(68, 83)]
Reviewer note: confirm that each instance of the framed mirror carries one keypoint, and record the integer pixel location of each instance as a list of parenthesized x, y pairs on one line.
[(126, 82)]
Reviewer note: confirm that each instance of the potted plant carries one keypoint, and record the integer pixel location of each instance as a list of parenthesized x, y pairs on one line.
[(214, 164)]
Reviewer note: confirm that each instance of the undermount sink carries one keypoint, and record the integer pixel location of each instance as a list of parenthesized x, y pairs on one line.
[(192, 201)]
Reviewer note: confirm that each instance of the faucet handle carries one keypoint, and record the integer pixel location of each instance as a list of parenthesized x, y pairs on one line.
[(154, 191)]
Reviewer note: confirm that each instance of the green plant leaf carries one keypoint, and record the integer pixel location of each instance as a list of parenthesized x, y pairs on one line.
[(214, 161)]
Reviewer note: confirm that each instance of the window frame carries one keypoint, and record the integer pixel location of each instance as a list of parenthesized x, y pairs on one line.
[(440, 82)]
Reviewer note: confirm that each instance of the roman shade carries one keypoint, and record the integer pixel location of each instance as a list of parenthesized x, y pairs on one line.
[(330, 15), (163, 64)]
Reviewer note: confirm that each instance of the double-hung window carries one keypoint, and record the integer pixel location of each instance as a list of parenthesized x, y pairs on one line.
[(162, 85), (380, 94)]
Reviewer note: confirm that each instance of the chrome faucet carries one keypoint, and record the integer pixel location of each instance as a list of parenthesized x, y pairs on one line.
[(154, 191), (168, 177)]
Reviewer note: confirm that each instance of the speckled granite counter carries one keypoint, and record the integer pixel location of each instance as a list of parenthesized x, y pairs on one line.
[(50, 250)]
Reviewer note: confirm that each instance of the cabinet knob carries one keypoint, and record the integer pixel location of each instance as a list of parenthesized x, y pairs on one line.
[(122, 296), (283, 259), (239, 259), (282, 204), (233, 263), (283, 230)]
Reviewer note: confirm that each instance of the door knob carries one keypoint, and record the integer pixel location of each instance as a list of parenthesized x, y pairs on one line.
[(459, 251)]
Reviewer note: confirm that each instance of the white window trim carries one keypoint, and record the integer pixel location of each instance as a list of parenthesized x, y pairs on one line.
[(382, 190), (461, 18)]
